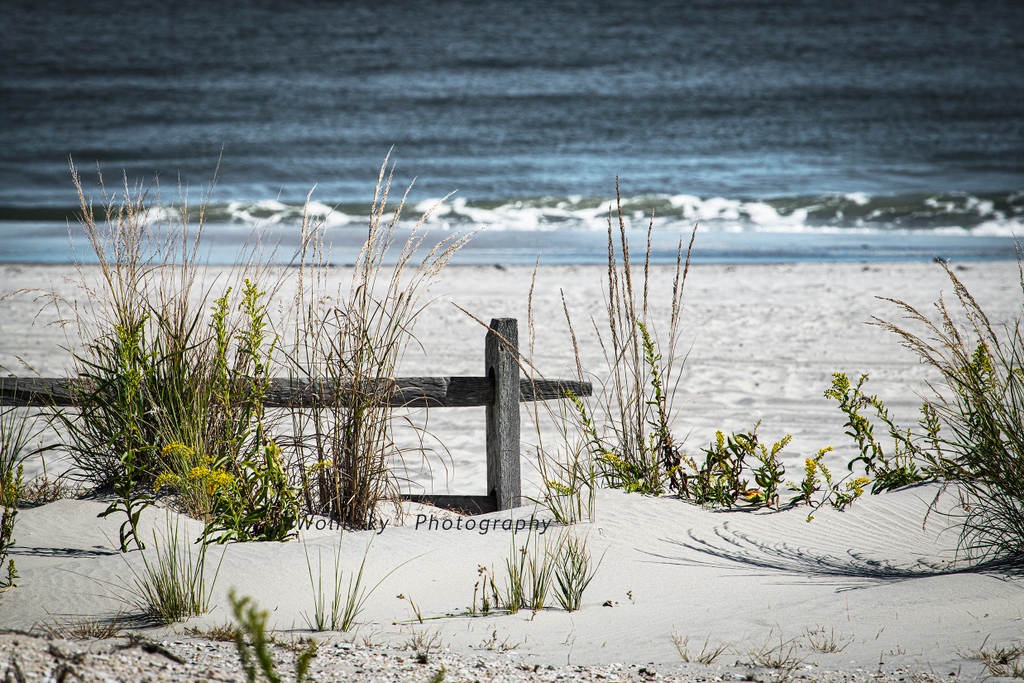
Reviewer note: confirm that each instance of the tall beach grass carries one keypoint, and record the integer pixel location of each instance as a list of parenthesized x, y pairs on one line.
[(972, 427), (352, 342), (176, 361)]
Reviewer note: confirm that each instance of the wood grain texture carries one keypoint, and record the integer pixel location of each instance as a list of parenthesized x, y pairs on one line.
[(503, 424), (430, 392)]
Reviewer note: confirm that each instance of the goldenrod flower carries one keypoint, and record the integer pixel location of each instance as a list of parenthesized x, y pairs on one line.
[(176, 449), (165, 479), (559, 488)]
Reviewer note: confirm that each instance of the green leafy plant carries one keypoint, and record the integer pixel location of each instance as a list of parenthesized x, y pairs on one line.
[(817, 477), (568, 473), (10, 490), (889, 471), (326, 617), (528, 571), (258, 504), (253, 643), (17, 430), (719, 481)]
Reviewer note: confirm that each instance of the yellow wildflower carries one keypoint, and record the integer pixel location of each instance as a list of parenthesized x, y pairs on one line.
[(165, 479), (176, 449), (857, 486), (559, 488)]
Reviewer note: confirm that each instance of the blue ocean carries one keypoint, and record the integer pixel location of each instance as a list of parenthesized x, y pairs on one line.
[(787, 130)]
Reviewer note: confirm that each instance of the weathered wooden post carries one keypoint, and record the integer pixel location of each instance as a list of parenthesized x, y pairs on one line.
[(501, 364)]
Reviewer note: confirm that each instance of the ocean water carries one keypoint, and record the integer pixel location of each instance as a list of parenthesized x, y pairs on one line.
[(787, 130)]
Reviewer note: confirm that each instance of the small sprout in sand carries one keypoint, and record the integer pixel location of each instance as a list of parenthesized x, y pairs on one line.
[(422, 643), (415, 609), (781, 657), (826, 641), (493, 644), (707, 654), (223, 633)]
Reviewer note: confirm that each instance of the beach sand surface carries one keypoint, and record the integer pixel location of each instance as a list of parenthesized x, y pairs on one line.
[(874, 583)]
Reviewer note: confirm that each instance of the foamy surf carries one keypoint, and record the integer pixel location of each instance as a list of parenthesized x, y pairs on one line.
[(991, 215)]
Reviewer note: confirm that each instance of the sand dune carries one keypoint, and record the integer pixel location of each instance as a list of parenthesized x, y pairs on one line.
[(887, 591)]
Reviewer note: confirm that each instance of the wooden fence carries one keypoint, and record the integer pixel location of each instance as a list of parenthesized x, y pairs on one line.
[(500, 390)]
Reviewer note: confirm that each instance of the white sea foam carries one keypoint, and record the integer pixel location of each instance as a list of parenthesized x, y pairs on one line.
[(946, 214)]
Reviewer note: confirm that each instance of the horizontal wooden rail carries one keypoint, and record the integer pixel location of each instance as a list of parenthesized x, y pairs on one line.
[(409, 392), (497, 391)]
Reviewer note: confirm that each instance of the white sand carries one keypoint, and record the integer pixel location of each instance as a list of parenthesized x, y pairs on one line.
[(765, 342)]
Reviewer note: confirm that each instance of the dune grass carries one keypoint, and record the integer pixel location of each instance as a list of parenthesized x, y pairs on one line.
[(354, 341), (971, 435), (171, 375), (172, 584), (175, 365), (635, 447)]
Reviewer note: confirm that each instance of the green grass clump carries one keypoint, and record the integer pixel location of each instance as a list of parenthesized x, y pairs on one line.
[(172, 584), (970, 437), (346, 602), (560, 566), (573, 571), (171, 378), (175, 367)]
